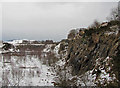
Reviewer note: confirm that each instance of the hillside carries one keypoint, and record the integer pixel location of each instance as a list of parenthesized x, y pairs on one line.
[(97, 52), (93, 56), (88, 57)]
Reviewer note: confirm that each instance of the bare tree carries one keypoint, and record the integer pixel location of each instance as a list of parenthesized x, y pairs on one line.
[(113, 14), (72, 33), (95, 24)]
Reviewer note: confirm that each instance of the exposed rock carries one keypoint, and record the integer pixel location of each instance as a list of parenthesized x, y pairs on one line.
[(85, 50)]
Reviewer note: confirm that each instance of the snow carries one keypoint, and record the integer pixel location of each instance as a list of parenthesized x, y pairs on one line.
[(47, 48), (61, 62), (115, 30), (110, 33), (87, 79), (1, 65), (14, 42), (56, 49), (20, 42), (11, 50), (17, 44), (27, 71), (1, 45), (104, 76), (0, 51)]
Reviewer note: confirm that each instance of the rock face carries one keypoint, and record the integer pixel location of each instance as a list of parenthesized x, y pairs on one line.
[(99, 44)]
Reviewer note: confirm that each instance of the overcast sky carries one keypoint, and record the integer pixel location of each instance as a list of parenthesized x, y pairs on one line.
[(50, 20)]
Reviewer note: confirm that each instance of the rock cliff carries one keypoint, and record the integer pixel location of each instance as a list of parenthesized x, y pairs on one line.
[(97, 51)]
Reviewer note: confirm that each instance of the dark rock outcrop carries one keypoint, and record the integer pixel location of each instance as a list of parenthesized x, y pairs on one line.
[(103, 42)]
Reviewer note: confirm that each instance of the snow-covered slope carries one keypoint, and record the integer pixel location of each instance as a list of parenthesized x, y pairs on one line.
[(21, 41), (26, 71), (1, 45)]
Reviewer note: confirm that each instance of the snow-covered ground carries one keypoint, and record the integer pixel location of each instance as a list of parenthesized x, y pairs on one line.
[(31, 70), (21, 42), (1, 65), (1, 45), (26, 71)]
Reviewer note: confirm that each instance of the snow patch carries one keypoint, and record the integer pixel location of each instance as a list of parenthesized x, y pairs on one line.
[(56, 49), (27, 71), (47, 48)]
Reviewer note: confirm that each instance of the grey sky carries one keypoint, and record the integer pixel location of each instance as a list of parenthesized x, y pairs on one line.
[(59, 0), (49, 20)]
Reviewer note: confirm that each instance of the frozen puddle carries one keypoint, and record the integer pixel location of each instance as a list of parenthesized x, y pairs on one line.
[(26, 70)]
